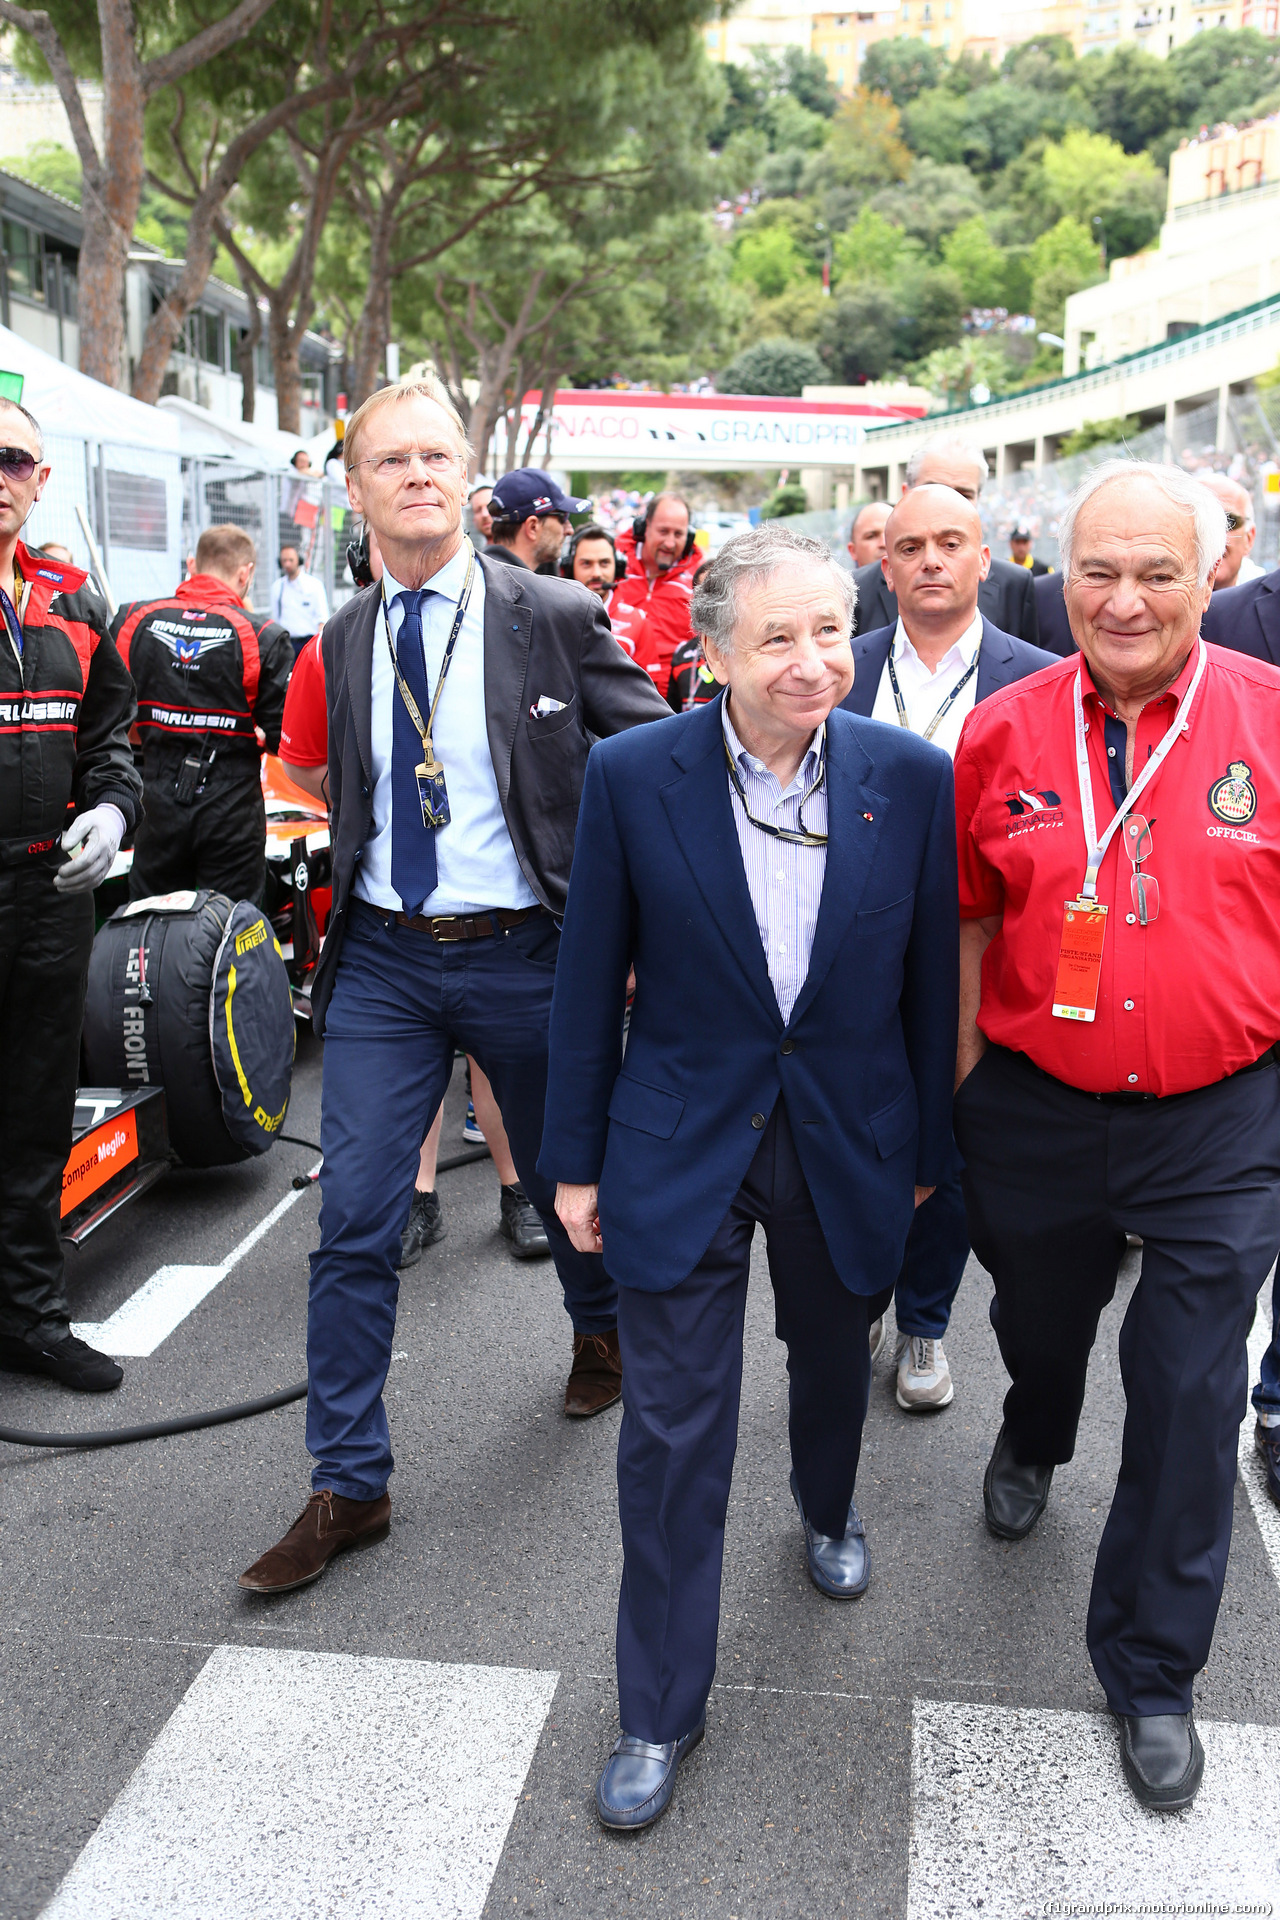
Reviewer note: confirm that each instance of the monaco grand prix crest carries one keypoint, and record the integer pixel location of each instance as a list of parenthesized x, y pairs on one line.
[(1234, 798)]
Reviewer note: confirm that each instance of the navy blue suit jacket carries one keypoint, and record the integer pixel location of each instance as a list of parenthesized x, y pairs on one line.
[(1001, 660), (1247, 618), (866, 1061)]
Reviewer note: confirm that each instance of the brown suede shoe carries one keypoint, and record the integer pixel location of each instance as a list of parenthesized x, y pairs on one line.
[(327, 1525), (595, 1379)]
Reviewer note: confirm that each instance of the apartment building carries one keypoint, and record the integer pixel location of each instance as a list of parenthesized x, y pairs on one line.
[(40, 238)]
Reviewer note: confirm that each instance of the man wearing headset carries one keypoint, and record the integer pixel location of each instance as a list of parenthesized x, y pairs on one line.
[(592, 560), (660, 560)]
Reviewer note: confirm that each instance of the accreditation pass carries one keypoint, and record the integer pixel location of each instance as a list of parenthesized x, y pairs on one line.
[(1084, 928)]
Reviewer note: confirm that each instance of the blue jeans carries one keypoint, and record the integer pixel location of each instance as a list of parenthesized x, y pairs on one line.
[(1266, 1395), (934, 1262), (401, 1004)]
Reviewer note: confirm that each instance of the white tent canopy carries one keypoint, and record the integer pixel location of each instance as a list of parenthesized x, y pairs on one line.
[(209, 436), (71, 404)]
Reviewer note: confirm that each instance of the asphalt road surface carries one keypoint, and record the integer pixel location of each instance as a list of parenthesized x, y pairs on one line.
[(417, 1736)]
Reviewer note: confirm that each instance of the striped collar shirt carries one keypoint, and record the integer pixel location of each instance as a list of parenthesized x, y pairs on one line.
[(784, 881)]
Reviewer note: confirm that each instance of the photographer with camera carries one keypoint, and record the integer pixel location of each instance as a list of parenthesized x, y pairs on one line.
[(210, 676), (68, 796)]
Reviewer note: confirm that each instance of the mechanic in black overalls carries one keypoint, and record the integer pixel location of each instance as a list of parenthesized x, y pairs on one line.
[(210, 674), (68, 787)]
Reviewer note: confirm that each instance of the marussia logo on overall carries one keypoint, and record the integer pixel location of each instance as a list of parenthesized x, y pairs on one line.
[(27, 711), (183, 644), (1031, 809), (187, 720)]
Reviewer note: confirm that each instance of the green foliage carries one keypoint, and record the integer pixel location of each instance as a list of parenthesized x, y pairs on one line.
[(1047, 62), (1089, 177), (864, 150), (785, 500), (767, 259), (1135, 97), (931, 202), (935, 308), (871, 249), (57, 169), (861, 331), (951, 373), (780, 367), (1221, 72), (1098, 433), (902, 68), (979, 263), (1062, 261)]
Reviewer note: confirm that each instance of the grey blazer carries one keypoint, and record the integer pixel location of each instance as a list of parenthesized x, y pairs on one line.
[(541, 636)]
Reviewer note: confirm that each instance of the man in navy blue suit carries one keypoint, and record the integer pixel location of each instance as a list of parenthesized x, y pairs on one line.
[(797, 866), (927, 672)]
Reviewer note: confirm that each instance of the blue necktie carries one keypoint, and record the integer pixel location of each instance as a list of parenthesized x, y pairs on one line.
[(413, 845)]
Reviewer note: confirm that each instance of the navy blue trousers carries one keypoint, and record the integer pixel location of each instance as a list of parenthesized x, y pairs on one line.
[(1054, 1180), (1266, 1395), (681, 1383), (934, 1263), (401, 1004)]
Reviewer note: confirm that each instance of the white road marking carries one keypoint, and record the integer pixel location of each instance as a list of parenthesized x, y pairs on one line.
[(1265, 1511), (1016, 1808), (163, 1302), (311, 1785)]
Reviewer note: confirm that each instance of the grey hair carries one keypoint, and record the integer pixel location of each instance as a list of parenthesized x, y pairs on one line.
[(946, 443), (749, 556), (1207, 514), (29, 417)]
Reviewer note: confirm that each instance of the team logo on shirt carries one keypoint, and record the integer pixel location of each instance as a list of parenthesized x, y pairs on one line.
[(1031, 810), (183, 644), (1234, 798), (1034, 800)]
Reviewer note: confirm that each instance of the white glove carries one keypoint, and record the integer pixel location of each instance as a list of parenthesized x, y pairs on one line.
[(98, 834)]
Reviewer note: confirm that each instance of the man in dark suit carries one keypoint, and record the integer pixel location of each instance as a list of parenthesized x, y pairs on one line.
[(1051, 616), (1247, 618), (1020, 554), (800, 864), (926, 673), (461, 696), (1005, 596)]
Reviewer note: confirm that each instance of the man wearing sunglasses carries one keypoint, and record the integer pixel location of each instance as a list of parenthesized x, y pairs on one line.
[(1119, 836), (800, 861), (1235, 568), (68, 795)]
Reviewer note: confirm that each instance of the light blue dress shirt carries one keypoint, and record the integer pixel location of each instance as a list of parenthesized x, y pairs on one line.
[(476, 864), (784, 880)]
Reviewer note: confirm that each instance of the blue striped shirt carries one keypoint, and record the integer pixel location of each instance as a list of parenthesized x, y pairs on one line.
[(785, 881)]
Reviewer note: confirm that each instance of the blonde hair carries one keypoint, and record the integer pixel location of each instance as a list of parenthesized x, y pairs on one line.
[(426, 388), (224, 549)]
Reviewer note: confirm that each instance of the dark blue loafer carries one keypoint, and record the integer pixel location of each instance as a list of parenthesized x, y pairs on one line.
[(841, 1568), (639, 1779)]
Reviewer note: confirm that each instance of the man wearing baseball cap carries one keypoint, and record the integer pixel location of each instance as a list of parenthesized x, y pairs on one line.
[(530, 518)]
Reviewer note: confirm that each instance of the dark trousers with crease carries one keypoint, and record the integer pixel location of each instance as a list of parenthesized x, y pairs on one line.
[(934, 1263), (681, 1382), (401, 1003), (1054, 1179)]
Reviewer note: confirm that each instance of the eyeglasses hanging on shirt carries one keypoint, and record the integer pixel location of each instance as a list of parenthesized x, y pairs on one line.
[(947, 704), (803, 838), (432, 791)]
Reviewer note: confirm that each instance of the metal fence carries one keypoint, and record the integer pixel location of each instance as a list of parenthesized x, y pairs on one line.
[(275, 510), (131, 498), (1251, 456)]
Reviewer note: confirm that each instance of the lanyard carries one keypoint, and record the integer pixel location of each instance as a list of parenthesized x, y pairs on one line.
[(947, 704), (1096, 848), (12, 620), (805, 837), (459, 614)]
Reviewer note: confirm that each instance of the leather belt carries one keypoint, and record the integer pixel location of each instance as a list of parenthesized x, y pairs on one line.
[(1121, 1099), (449, 927)]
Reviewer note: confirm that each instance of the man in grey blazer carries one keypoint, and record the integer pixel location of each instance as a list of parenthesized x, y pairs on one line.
[(1005, 595), (462, 699), (926, 672)]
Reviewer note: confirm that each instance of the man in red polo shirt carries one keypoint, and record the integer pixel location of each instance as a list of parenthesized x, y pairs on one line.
[(1119, 837), (649, 607)]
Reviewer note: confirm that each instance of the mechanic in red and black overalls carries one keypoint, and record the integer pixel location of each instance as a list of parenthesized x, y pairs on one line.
[(67, 787), (210, 675)]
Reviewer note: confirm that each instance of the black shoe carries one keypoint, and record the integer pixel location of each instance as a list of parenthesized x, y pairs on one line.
[(520, 1224), (840, 1567), (422, 1229), (64, 1359), (1014, 1496), (1162, 1758), (1266, 1441)]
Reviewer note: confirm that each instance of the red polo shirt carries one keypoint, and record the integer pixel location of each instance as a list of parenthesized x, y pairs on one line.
[(304, 731), (1193, 996)]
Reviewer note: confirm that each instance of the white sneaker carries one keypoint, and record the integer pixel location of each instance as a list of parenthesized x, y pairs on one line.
[(877, 1334), (924, 1379)]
